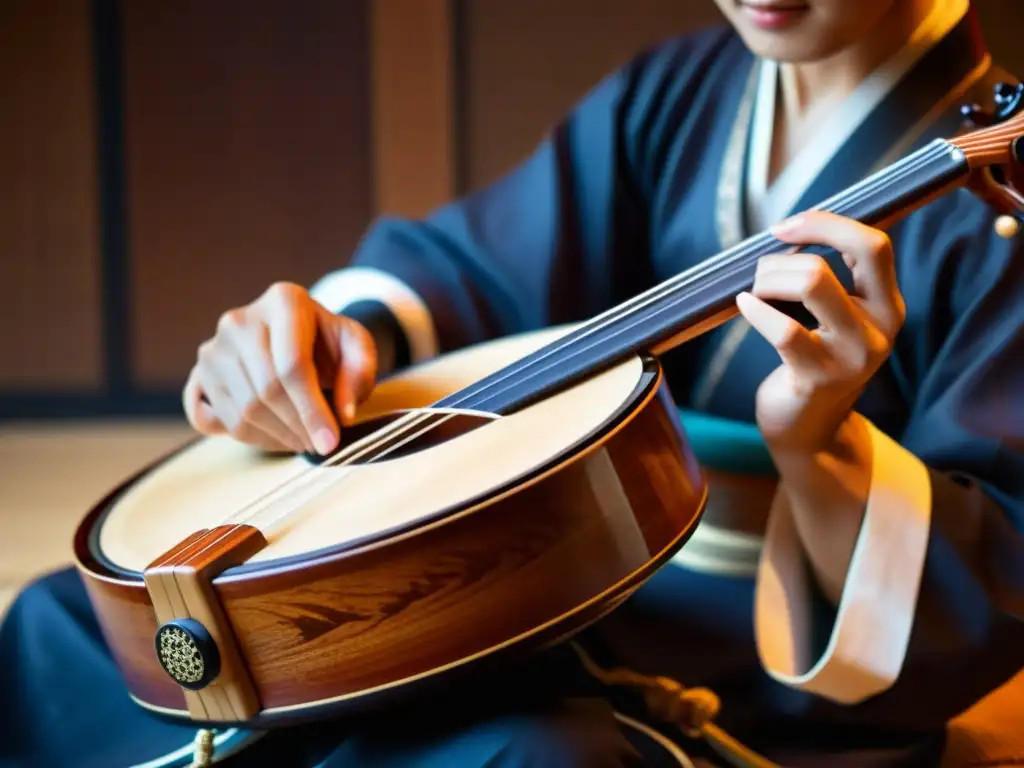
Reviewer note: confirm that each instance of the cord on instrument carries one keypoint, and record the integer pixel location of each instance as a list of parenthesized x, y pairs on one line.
[(202, 755), (691, 709)]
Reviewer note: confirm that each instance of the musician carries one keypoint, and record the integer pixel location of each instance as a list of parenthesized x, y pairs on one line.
[(858, 579)]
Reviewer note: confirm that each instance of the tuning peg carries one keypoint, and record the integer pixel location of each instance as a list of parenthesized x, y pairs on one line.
[(1008, 101), (1006, 227)]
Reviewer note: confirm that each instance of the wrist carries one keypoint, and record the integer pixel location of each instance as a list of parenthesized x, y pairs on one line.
[(819, 422), (393, 352), (848, 444)]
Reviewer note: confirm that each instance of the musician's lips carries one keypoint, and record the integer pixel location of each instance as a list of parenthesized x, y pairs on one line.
[(772, 14)]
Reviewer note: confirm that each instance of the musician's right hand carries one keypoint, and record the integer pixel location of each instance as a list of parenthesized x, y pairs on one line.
[(261, 377)]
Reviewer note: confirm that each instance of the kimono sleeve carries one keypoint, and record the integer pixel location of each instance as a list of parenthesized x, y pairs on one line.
[(557, 239), (932, 614)]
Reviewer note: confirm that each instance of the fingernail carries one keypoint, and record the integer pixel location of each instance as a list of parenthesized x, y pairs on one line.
[(348, 413), (324, 441), (787, 225)]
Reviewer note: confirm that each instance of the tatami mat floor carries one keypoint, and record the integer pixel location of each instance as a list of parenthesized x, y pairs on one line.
[(52, 473)]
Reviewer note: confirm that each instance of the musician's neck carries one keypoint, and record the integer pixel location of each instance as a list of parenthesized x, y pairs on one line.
[(805, 85), (812, 89)]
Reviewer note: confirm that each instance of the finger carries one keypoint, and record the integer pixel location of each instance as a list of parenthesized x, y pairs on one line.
[(250, 407), (807, 279), (277, 412), (867, 251), (252, 434), (797, 346), (221, 357), (291, 348), (200, 413), (226, 409), (216, 394), (357, 372)]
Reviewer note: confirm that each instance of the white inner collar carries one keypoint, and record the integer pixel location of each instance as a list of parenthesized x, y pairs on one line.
[(767, 205)]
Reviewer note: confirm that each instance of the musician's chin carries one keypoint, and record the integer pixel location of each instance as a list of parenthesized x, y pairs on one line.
[(801, 31)]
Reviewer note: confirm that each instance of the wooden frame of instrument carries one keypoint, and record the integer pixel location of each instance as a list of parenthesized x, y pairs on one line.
[(354, 627)]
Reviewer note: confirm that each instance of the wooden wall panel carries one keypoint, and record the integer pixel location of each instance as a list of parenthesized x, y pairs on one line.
[(49, 230), (525, 62), (413, 96), (248, 159)]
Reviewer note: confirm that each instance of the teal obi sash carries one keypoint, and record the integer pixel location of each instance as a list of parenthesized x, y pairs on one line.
[(727, 446)]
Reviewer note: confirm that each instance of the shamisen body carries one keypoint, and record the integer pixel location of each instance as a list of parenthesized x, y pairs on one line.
[(872, 442)]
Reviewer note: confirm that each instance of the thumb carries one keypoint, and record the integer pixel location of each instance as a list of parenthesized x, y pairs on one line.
[(356, 371)]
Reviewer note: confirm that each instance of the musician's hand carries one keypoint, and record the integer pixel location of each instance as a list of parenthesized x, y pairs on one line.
[(260, 378), (802, 404)]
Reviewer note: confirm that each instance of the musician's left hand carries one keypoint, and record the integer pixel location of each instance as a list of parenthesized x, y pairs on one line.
[(803, 403)]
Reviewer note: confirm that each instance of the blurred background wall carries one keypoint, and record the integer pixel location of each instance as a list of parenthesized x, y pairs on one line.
[(161, 162)]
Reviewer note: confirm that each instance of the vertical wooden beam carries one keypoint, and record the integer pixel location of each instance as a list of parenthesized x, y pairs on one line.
[(413, 100), (50, 339)]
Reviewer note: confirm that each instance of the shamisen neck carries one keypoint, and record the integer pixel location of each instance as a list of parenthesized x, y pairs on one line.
[(697, 299)]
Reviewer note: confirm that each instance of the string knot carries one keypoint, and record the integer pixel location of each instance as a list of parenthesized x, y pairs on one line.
[(689, 708), (202, 751)]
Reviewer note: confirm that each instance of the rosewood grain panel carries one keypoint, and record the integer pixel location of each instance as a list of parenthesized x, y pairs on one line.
[(548, 559), (49, 220), (248, 146), (658, 470), (128, 623), (434, 598)]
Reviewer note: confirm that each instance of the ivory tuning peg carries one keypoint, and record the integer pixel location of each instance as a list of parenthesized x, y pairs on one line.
[(1007, 226)]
